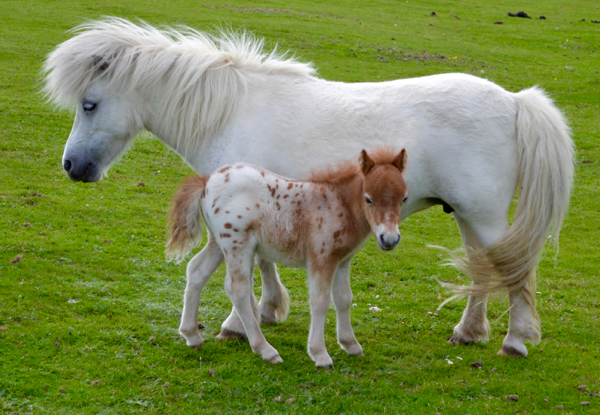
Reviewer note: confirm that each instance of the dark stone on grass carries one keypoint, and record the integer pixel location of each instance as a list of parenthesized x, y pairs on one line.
[(542, 17), (201, 326), (433, 14), (498, 22), (595, 21), (585, 403), (477, 364), (512, 397), (582, 387), (520, 14)]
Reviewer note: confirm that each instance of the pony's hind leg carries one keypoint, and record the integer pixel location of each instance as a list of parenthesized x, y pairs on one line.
[(274, 303), (523, 323), (474, 325), (199, 270), (342, 298), (238, 284)]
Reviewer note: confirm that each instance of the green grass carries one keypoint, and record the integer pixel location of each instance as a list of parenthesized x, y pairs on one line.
[(89, 316)]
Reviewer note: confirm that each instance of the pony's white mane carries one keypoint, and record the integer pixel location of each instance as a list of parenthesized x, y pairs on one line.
[(203, 74)]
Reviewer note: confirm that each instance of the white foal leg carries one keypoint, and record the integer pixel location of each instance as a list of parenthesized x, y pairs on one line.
[(274, 302), (199, 270), (523, 323), (474, 325), (342, 298), (319, 283), (238, 284)]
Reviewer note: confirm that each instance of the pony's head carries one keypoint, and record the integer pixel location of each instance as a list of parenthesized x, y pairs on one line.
[(106, 122), (122, 77), (384, 192)]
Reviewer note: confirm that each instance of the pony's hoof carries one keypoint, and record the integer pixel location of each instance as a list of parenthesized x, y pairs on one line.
[(230, 335), (512, 352)]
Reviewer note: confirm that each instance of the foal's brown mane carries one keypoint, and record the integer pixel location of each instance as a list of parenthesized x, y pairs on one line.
[(347, 170)]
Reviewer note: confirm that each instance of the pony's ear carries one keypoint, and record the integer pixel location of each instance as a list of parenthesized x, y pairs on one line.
[(101, 63), (366, 162), (400, 160)]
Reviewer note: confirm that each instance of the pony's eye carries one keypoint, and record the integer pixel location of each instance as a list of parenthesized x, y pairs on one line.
[(405, 199), (368, 200), (89, 106)]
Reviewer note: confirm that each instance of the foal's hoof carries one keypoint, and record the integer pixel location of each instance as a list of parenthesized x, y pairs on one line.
[(326, 362), (230, 335)]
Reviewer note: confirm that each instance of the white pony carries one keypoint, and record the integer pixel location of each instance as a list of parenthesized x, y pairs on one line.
[(217, 100), (317, 224)]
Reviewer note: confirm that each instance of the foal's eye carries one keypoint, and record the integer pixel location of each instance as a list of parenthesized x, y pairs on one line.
[(89, 106), (368, 200), (405, 199)]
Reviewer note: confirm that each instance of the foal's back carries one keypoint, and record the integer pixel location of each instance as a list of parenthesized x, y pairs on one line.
[(287, 218)]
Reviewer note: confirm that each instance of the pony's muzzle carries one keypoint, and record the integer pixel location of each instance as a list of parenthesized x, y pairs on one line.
[(82, 172), (388, 241)]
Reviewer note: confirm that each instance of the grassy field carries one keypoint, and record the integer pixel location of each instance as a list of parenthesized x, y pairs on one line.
[(89, 308)]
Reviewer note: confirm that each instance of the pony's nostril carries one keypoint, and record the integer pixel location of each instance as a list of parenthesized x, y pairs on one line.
[(67, 165), (381, 239)]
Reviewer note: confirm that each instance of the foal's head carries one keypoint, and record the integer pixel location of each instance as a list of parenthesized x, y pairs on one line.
[(384, 191)]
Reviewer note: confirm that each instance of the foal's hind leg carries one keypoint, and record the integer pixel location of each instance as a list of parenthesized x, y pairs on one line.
[(238, 284), (274, 303), (342, 298), (199, 270)]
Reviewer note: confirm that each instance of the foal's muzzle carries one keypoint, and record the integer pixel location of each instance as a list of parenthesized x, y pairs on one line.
[(388, 241)]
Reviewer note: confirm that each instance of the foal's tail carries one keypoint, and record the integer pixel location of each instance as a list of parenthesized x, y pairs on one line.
[(546, 159), (185, 223)]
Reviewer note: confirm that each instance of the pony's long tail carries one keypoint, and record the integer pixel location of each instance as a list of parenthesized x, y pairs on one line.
[(546, 164), (185, 223)]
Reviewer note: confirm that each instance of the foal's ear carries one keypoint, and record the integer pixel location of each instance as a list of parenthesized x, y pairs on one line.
[(101, 63), (366, 162), (400, 160)]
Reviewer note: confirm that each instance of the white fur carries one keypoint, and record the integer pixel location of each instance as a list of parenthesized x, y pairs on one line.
[(220, 100)]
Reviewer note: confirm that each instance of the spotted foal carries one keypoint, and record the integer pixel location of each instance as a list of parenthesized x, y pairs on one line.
[(318, 224)]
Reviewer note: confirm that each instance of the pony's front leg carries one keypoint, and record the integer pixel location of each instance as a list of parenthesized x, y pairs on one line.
[(238, 284), (319, 283), (523, 323), (342, 298), (199, 270)]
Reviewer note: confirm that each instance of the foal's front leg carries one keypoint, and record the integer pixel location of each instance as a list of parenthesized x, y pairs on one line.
[(342, 298), (319, 283), (199, 270)]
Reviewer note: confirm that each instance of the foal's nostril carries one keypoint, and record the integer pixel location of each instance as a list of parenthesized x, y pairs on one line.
[(67, 165), (382, 240)]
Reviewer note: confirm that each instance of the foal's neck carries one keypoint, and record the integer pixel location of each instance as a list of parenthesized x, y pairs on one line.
[(350, 191)]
